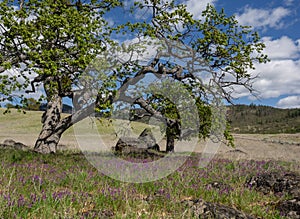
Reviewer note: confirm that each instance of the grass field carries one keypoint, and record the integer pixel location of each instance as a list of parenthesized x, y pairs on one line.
[(66, 185)]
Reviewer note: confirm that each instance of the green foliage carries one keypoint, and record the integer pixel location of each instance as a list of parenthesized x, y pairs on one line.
[(54, 41), (227, 45), (228, 135), (31, 104)]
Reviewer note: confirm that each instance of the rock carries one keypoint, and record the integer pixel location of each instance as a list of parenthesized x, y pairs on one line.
[(277, 183), (126, 143), (290, 208), (219, 186), (202, 209), (147, 137), (19, 146), (143, 143), (288, 183), (9, 143)]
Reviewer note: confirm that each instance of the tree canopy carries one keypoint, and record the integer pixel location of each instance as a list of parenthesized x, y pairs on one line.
[(51, 44)]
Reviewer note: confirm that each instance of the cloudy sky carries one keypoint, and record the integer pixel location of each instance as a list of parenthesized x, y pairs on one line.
[(278, 23)]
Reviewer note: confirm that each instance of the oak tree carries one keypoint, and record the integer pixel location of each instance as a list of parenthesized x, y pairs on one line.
[(52, 43)]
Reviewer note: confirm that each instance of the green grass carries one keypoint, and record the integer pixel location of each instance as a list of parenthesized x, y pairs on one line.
[(67, 186)]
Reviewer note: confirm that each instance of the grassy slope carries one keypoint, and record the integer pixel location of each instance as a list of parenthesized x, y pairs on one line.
[(263, 119), (22, 127), (26, 127), (20, 122)]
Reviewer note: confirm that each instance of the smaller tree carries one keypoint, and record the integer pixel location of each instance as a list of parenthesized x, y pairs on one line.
[(31, 104), (214, 56), (186, 115)]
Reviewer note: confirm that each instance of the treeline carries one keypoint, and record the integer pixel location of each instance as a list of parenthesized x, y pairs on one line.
[(32, 104), (28, 104), (263, 119)]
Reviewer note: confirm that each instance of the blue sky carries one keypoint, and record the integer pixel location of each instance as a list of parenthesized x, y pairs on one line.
[(278, 23)]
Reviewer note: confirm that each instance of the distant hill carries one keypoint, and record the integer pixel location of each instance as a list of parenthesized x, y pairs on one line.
[(35, 106), (263, 119), (248, 119)]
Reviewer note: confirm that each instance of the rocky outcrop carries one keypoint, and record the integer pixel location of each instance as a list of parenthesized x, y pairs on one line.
[(290, 208), (147, 137), (276, 183), (288, 183), (9, 143), (207, 210)]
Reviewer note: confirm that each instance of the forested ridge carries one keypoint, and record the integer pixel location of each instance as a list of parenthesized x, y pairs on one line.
[(263, 119)]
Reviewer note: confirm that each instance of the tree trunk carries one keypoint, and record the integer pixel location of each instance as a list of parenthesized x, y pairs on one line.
[(53, 126), (170, 143), (49, 136)]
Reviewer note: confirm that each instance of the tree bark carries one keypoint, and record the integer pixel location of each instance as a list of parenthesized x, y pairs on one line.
[(170, 143), (49, 137)]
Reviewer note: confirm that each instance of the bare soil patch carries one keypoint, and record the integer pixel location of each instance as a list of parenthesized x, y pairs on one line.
[(284, 147)]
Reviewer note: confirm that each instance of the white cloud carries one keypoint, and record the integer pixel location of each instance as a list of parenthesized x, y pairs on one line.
[(196, 7), (283, 48), (39, 90), (262, 18), (288, 2), (141, 49), (289, 102), (281, 76)]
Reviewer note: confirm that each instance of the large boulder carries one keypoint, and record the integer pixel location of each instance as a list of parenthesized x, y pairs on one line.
[(148, 138), (125, 144), (146, 141)]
